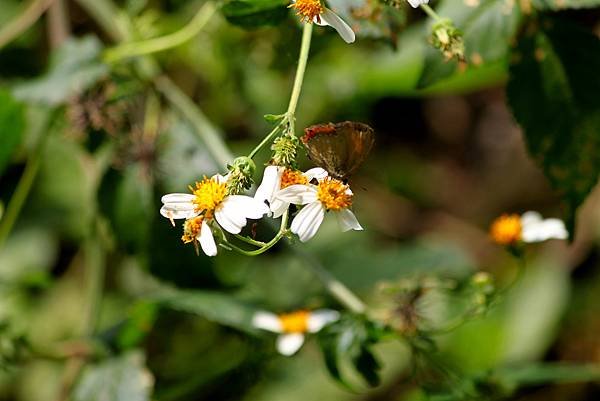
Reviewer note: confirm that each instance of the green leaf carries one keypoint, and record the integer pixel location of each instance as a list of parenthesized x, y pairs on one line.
[(74, 67), (553, 93), (127, 201), (255, 13), (564, 4), (487, 29), (124, 378), (214, 306), (349, 340), (12, 125)]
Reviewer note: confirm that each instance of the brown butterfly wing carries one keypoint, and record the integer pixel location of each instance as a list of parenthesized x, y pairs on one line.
[(339, 148)]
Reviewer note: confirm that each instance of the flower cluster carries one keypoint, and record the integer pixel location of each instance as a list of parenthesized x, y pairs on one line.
[(210, 206)]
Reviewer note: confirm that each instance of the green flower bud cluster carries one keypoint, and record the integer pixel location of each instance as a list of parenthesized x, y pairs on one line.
[(240, 175), (448, 39), (285, 150)]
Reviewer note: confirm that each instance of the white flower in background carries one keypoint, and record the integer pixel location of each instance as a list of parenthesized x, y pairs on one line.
[(315, 11), (417, 3), (329, 194), (277, 178), (530, 227), (294, 326), (208, 202)]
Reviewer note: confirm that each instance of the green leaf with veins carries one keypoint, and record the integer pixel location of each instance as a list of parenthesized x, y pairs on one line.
[(553, 92)]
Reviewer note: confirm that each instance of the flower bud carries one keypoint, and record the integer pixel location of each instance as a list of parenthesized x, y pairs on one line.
[(285, 150), (240, 175), (448, 39)]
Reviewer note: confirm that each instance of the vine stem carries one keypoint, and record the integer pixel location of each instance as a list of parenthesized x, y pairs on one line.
[(15, 205), (429, 11), (154, 45), (289, 116), (20, 24), (300, 70)]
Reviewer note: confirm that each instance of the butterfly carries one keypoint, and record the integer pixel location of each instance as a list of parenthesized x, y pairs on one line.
[(339, 148)]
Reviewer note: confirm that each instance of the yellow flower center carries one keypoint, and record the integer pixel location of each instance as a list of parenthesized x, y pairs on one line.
[(209, 194), (307, 10), (292, 177), (295, 322), (506, 229), (334, 194), (191, 229)]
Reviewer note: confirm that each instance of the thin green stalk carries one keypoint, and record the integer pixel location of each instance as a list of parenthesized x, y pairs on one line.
[(95, 272), (106, 14), (268, 139), (15, 205), (24, 21), (429, 11), (266, 246), (336, 288), (302, 61), (208, 133), (154, 45)]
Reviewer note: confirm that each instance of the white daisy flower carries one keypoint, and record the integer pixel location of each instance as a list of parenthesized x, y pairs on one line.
[(277, 178), (208, 202), (315, 11), (329, 194), (294, 326), (417, 3), (529, 227)]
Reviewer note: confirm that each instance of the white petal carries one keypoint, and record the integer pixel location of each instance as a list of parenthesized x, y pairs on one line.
[(541, 230), (289, 344), (347, 220), (270, 183), (321, 318), (417, 3), (298, 194), (178, 211), (530, 217), (246, 206), (229, 218), (331, 18), (267, 321), (278, 207), (308, 220), (316, 172), (207, 241), (177, 198)]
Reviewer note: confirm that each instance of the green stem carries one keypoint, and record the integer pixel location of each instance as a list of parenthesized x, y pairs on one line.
[(162, 43), (208, 133), (106, 13), (24, 21), (335, 287), (267, 139), (266, 246), (25, 184), (250, 240), (95, 272), (302, 61), (429, 11)]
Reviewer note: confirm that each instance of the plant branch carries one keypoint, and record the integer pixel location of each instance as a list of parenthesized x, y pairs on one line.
[(154, 45), (24, 21)]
